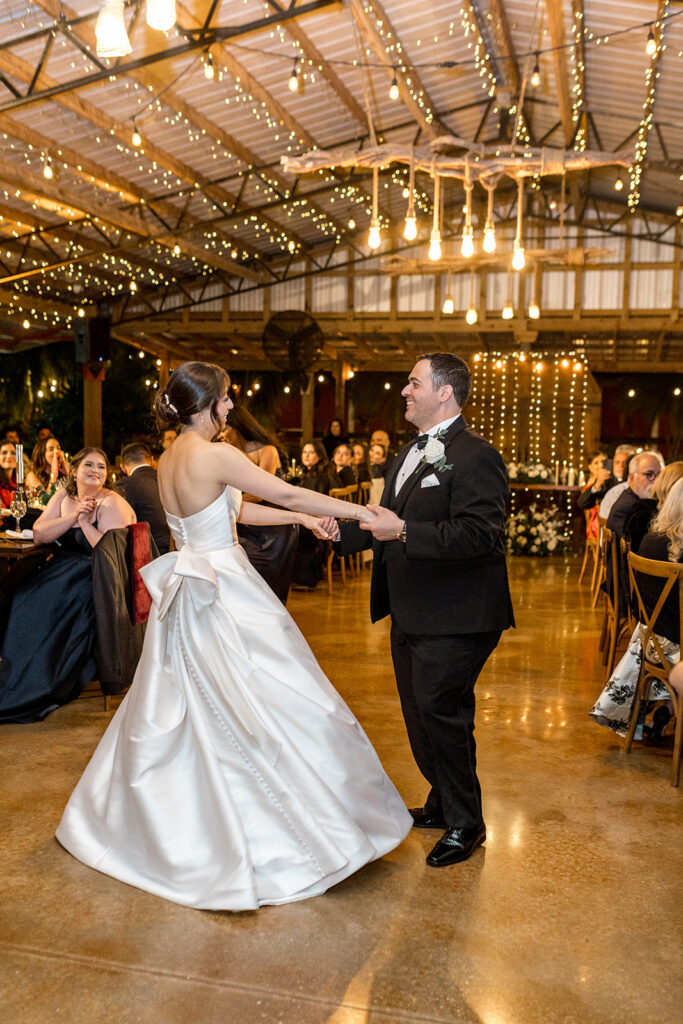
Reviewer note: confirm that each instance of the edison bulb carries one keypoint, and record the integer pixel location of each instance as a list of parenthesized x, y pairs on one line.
[(352, 223), (619, 184), (435, 246), (209, 72), (406, 192), (293, 83), (536, 78), (534, 311), (518, 258), (136, 139), (651, 45), (471, 317), (448, 306), (393, 91), (374, 236), (508, 311), (489, 243), (410, 229), (467, 247)]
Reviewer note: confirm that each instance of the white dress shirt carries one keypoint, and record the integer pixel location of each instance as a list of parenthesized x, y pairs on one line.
[(605, 506), (415, 454)]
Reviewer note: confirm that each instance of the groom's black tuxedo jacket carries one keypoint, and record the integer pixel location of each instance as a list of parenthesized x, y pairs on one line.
[(449, 577)]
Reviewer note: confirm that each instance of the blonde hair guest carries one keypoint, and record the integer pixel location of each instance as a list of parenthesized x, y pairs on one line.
[(669, 521)]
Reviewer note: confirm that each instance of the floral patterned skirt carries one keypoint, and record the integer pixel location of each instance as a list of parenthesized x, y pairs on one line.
[(614, 706)]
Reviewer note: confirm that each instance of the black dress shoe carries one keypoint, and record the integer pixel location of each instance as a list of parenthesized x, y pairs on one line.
[(455, 845), (425, 819)]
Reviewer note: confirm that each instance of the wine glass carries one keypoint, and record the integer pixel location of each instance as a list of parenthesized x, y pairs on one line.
[(18, 508)]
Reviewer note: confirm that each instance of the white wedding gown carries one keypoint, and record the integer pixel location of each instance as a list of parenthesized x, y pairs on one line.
[(232, 775)]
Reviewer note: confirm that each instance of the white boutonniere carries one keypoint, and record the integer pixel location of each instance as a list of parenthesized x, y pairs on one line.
[(434, 454)]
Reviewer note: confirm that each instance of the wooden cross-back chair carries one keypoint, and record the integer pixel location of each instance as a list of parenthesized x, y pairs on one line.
[(618, 623), (349, 494), (591, 550), (654, 664)]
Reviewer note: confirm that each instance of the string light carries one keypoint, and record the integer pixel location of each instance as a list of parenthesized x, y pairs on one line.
[(393, 89), (209, 69), (471, 316), (293, 83), (651, 77), (651, 45), (48, 172), (161, 15), (619, 184), (448, 305), (136, 138), (535, 75)]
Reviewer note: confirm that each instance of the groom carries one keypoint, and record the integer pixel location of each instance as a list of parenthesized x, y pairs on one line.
[(439, 571)]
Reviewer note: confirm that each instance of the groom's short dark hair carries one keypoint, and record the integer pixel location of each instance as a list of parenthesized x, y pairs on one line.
[(447, 368)]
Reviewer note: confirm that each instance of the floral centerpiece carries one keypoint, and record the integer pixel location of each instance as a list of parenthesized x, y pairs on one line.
[(529, 473), (535, 531)]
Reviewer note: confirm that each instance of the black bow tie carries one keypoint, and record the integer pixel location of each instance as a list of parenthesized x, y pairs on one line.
[(422, 441)]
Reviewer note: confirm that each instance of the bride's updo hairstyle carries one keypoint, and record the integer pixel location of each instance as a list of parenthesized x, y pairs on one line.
[(192, 388)]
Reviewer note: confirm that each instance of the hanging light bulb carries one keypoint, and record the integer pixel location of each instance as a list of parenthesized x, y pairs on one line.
[(136, 138), (405, 192), (410, 228), (435, 244), (47, 167), (619, 184), (161, 15), (374, 236), (650, 45), (448, 306), (111, 37), (489, 243), (508, 311), (209, 69), (393, 89), (293, 83), (471, 316), (352, 224), (534, 311), (467, 245), (536, 75), (518, 258)]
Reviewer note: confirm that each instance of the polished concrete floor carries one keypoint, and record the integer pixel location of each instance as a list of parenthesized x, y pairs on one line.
[(571, 913)]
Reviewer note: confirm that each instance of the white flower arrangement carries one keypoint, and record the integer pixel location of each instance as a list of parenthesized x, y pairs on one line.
[(535, 531), (529, 472)]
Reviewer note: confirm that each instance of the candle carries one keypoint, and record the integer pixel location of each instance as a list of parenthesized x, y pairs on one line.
[(20, 464)]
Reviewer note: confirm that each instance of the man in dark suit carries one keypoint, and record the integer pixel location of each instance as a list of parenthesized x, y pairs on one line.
[(140, 489), (439, 570)]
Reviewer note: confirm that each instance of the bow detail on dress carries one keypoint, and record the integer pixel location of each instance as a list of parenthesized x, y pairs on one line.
[(165, 575)]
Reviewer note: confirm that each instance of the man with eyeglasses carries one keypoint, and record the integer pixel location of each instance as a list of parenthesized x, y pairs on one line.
[(642, 473)]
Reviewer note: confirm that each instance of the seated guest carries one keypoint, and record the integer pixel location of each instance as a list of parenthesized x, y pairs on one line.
[(38, 673), (383, 438), (359, 463), (335, 435), (596, 487), (663, 543), (643, 470), (49, 470), (13, 434), (43, 434), (311, 551), (270, 549), (168, 437), (342, 474), (140, 489), (377, 458), (623, 453), (8, 473), (642, 513), (599, 482)]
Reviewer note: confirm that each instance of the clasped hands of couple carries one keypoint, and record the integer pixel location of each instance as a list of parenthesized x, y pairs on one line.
[(381, 522)]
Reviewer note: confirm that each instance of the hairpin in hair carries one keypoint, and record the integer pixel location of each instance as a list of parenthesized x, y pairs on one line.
[(169, 403)]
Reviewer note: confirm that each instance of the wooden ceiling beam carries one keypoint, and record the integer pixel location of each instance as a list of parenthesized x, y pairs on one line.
[(429, 125)]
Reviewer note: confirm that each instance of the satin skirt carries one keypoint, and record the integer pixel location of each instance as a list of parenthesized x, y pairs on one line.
[(233, 775)]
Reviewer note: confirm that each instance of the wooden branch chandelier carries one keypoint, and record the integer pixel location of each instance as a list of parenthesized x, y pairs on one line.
[(452, 157)]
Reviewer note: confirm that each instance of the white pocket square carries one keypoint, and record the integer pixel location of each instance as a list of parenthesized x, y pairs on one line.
[(430, 481)]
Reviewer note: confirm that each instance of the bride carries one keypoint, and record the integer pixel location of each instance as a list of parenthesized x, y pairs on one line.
[(232, 775)]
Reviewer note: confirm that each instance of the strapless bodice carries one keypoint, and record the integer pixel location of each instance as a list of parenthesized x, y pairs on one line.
[(210, 529)]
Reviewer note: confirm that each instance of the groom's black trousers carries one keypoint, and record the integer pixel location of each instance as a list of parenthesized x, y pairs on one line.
[(435, 677)]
